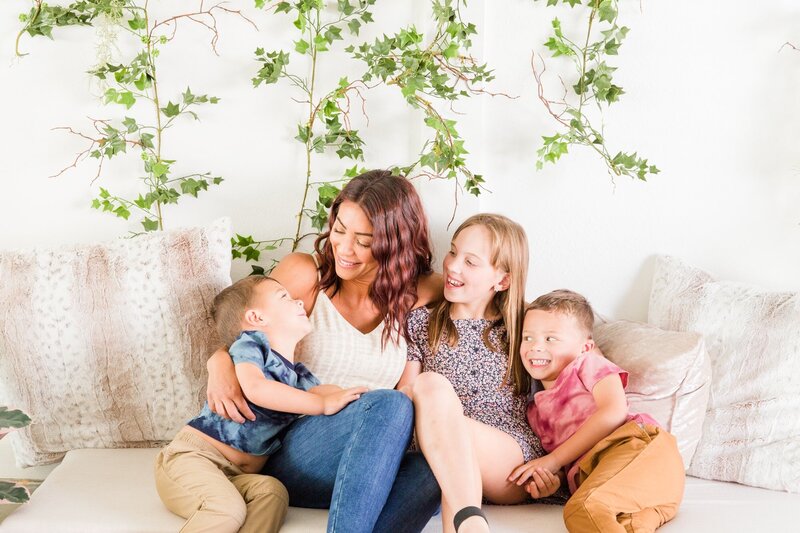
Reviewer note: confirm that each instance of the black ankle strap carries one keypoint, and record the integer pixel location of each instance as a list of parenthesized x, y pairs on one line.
[(465, 513)]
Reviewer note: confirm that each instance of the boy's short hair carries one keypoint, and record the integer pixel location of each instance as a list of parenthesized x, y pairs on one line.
[(229, 307), (566, 302)]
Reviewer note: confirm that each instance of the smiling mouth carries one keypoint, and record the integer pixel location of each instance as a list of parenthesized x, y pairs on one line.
[(454, 283), (346, 264), (538, 362)]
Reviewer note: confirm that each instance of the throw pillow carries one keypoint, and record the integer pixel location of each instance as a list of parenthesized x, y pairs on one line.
[(751, 433), (105, 345), (669, 376)]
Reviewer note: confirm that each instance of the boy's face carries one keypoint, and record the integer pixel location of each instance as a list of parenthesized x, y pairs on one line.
[(272, 307), (551, 341)]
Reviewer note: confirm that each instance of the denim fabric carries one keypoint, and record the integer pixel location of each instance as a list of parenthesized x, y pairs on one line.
[(349, 462), (257, 437)]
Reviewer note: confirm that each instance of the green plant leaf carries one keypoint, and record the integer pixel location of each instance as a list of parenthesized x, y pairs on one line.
[(171, 110), (301, 46), (13, 493), (13, 419), (149, 224), (607, 11)]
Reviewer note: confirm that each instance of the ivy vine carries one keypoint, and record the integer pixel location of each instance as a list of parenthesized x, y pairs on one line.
[(441, 71), (593, 89), (134, 85)]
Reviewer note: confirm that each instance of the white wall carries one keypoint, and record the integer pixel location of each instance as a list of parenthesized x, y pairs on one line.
[(710, 99)]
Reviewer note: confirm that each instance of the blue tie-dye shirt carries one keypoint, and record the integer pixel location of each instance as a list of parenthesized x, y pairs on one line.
[(257, 437)]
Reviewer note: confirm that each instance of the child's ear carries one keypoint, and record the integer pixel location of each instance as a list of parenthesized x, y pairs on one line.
[(504, 283), (588, 346), (254, 318)]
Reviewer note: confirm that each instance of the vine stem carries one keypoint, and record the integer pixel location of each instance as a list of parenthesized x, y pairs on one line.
[(309, 125), (159, 128), (583, 61)]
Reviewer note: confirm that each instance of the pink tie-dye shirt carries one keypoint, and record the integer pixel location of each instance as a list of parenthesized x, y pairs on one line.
[(555, 414)]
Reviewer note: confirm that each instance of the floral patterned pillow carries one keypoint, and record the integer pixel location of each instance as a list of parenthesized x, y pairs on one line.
[(104, 346)]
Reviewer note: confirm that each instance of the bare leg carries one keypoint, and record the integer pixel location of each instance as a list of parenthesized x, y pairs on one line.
[(444, 436)]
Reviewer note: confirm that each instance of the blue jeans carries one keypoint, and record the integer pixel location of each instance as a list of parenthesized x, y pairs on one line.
[(355, 462)]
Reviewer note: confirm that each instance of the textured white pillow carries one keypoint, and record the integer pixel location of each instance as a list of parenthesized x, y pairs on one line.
[(104, 346), (752, 430), (669, 376)]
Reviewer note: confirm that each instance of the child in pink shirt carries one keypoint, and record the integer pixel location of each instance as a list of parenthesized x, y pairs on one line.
[(624, 471)]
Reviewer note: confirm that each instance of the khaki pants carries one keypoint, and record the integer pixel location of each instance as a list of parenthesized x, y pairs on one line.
[(196, 482), (631, 481)]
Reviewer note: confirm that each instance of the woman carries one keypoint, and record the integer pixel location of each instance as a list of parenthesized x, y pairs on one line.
[(371, 267)]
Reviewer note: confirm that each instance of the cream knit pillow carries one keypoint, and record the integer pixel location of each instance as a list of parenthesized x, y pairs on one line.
[(669, 376), (104, 346), (751, 433)]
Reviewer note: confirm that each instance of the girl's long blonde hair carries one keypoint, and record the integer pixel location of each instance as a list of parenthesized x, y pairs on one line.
[(509, 253)]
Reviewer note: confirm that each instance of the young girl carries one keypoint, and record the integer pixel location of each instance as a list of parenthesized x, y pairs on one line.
[(470, 424), (624, 470)]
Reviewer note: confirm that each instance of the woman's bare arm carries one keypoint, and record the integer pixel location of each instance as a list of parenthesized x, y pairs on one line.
[(223, 392)]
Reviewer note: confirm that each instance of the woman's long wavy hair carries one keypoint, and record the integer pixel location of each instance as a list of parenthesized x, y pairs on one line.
[(400, 245), (509, 253)]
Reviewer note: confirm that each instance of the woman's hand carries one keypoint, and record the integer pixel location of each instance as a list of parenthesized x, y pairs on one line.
[(543, 483), (523, 473), (334, 402), (224, 394)]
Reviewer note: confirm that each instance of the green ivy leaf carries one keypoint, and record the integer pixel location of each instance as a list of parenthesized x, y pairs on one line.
[(137, 23), (149, 224), (13, 493), (171, 110), (147, 140), (607, 11), (13, 419), (301, 46), (130, 125), (127, 99)]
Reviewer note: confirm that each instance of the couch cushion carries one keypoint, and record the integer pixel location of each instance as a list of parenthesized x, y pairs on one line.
[(669, 376), (751, 433), (105, 345), (110, 491)]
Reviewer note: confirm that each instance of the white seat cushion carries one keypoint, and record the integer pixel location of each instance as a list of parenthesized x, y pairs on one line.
[(110, 491)]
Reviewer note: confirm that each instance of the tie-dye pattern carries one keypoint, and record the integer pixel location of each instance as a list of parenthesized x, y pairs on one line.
[(257, 437), (555, 414)]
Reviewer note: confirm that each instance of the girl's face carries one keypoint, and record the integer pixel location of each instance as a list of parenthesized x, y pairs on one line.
[(551, 341), (469, 276), (351, 240)]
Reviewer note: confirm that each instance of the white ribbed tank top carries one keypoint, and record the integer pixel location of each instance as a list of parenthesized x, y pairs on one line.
[(338, 353)]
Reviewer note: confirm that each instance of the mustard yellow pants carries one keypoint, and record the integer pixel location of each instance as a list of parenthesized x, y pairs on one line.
[(631, 481), (196, 482)]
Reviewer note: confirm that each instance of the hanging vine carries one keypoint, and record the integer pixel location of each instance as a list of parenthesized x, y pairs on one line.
[(325, 126), (579, 111), (134, 86), (427, 75)]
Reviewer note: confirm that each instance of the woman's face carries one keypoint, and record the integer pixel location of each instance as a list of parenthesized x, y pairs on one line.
[(351, 240)]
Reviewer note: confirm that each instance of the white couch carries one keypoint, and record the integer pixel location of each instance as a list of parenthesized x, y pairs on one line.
[(109, 491)]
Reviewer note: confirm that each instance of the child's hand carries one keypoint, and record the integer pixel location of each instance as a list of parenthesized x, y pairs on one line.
[(336, 401), (543, 483), (523, 473)]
